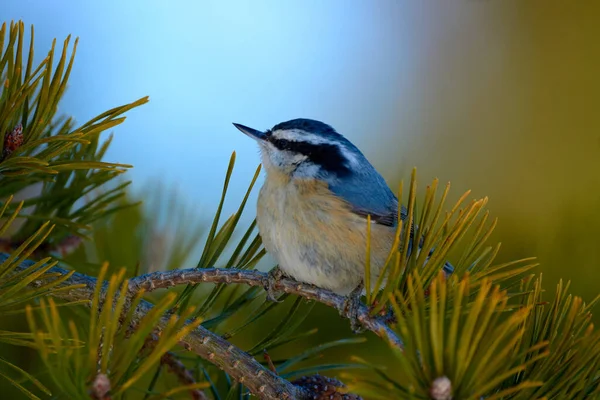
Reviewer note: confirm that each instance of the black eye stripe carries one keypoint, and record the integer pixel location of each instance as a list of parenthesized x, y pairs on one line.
[(328, 156), (284, 144)]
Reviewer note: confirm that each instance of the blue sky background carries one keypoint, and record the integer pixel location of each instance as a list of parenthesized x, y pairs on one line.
[(206, 64)]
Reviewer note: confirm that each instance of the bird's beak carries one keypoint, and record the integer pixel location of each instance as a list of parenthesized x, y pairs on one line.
[(253, 133)]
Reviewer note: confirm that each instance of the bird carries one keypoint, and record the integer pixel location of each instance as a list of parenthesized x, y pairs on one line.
[(313, 205)]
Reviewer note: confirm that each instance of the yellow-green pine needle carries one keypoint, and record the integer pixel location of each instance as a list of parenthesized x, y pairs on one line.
[(368, 262)]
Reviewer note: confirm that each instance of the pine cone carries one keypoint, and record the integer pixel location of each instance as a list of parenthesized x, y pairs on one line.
[(441, 389), (324, 388), (12, 140), (100, 387)]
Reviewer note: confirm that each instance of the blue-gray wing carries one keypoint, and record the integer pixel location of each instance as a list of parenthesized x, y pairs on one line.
[(368, 194)]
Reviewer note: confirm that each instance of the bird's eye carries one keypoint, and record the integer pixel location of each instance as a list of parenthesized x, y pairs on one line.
[(282, 144)]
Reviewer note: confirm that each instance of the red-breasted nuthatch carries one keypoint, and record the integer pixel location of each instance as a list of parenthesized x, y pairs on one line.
[(313, 205)]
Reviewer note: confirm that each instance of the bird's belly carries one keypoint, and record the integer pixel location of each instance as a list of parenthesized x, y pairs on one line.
[(316, 239)]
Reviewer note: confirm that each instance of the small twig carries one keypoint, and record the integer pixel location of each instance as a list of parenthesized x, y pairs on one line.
[(269, 361), (176, 367), (184, 375), (63, 248), (161, 280)]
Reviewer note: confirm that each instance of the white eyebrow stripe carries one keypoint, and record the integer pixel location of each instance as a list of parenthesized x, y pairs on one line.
[(297, 135)]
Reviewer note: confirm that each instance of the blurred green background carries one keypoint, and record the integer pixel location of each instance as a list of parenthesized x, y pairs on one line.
[(500, 97)]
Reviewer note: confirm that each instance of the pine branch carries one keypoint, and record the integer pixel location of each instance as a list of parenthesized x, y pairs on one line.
[(237, 363), (163, 280)]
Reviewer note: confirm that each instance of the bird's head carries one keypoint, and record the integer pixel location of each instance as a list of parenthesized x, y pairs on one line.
[(305, 148)]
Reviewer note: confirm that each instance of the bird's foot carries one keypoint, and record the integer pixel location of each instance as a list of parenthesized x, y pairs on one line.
[(274, 276), (387, 313), (351, 308)]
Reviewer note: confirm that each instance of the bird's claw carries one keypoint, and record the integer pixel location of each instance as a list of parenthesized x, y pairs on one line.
[(351, 309), (274, 276), (386, 314)]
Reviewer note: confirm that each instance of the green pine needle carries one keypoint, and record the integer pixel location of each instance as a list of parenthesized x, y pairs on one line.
[(441, 236), (65, 160), (125, 359)]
